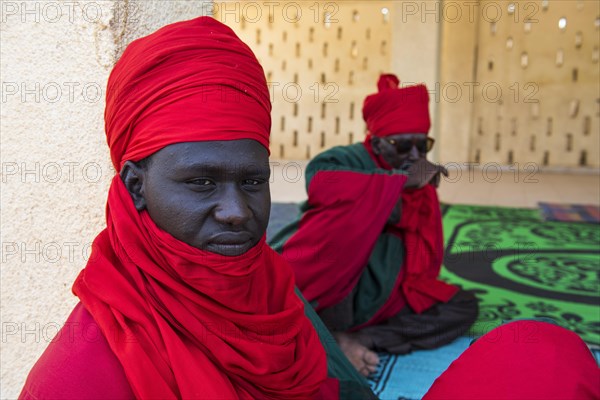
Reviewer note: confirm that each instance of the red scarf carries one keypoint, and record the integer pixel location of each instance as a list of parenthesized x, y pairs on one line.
[(187, 323)]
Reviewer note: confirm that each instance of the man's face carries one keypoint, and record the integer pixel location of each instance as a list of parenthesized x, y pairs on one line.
[(401, 150), (211, 195)]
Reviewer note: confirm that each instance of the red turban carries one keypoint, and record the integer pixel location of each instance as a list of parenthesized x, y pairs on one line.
[(189, 81), (396, 110)]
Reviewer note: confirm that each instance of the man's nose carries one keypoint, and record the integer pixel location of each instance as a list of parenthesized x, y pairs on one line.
[(232, 208), (414, 152)]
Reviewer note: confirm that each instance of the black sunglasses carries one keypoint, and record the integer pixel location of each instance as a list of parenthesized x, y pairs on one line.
[(423, 145)]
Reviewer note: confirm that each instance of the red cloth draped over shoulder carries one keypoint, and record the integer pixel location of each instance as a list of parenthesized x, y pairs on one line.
[(522, 360), (420, 228), (186, 323)]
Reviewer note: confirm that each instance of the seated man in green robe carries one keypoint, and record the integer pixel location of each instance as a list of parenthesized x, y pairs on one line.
[(368, 246)]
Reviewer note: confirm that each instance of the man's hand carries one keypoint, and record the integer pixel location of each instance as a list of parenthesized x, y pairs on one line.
[(423, 172)]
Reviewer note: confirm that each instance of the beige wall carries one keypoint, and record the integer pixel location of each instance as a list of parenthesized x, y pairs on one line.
[(55, 168), (55, 60), (456, 79), (334, 65), (321, 59), (535, 103), (485, 106), (416, 57)]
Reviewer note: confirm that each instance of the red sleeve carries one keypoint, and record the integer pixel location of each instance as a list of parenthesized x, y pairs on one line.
[(78, 364)]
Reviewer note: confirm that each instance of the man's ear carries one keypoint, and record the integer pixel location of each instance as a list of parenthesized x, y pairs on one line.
[(375, 145), (132, 176)]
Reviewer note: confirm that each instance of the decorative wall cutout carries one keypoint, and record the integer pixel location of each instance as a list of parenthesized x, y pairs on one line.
[(578, 40), (524, 59), (535, 110), (583, 159), (509, 43), (587, 122), (562, 23), (540, 54), (560, 57), (574, 108), (549, 110)]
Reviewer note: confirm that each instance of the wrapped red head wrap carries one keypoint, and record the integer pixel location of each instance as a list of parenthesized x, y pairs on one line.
[(395, 110), (189, 81)]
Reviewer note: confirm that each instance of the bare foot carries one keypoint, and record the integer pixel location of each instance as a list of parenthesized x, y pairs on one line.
[(364, 360)]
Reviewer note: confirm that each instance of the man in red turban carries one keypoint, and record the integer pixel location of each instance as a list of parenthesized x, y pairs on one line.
[(181, 297), (368, 246)]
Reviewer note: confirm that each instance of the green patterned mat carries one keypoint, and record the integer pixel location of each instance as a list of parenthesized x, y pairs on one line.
[(520, 266)]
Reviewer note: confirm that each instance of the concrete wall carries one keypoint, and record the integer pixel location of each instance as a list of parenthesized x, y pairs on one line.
[(416, 55), (538, 70), (517, 88), (321, 60), (458, 46), (55, 60)]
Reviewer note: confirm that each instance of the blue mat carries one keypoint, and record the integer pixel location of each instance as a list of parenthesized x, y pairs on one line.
[(410, 376)]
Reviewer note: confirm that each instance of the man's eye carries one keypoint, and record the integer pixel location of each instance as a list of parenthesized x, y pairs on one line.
[(200, 182), (252, 182)]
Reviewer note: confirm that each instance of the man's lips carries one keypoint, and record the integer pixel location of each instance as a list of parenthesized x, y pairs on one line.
[(230, 238), (230, 243)]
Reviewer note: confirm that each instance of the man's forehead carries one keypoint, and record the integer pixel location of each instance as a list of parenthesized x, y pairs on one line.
[(215, 157), (214, 151), (223, 167)]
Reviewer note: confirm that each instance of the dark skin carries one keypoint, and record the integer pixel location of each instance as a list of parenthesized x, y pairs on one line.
[(420, 171), (211, 195), (382, 147)]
